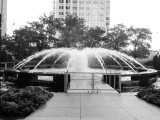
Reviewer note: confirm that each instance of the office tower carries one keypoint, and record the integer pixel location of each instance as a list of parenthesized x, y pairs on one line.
[(3, 16), (95, 12)]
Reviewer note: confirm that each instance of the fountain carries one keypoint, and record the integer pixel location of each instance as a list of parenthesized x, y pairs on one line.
[(99, 61), (85, 60)]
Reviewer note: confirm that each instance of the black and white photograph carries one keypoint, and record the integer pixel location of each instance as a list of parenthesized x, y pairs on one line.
[(79, 60)]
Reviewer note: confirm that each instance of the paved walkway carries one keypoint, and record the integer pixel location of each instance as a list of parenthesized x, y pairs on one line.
[(97, 106)]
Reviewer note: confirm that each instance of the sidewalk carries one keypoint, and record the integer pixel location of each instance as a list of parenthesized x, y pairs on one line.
[(97, 106)]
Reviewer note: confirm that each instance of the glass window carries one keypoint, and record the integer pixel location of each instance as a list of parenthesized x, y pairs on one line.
[(67, 7), (87, 8), (108, 7), (107, 12), (74, 1), (107, 18), (61, 1), (102, 2), (74, 14), (108, 2), (67, 13), (74, 8), (67, 1), (81, 14), (61, 7), (107, 23), (61, 13), (95, 2), (102, 8), (88, 2), (81, 8), (87, 14), (81, 2)]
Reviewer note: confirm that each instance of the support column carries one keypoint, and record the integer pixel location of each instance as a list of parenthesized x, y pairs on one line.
[(119, 83), (92, 83)]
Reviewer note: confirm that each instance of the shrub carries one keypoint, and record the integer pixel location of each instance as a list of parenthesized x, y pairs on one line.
[(129, 83), (145, 81), (150, 95), (22, 102), (8, 108)]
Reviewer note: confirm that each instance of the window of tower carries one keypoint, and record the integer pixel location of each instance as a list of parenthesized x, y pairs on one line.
[(101, 10), (101, 15), (81, 2), (108, 2), (67, 7), (75, 1), (67, 13), (107, 23), (102, 2), (67, 1), (107, 18), (87, 8), (81, 8), (61, 1), (108, 7), (74, 14), (61, 7), (61, 13), (74, 8), (81, 14), (95, 2), (88, 2), (87, 14)]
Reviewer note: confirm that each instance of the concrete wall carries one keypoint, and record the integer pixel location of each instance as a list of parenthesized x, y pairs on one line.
[(3, 13)]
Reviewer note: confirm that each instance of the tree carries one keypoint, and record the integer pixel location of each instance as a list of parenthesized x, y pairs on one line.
[(7, 54), (140, 39), (72, 31), (23, 40), (35, 36), (46, 29), (116, 38), (93, 37)]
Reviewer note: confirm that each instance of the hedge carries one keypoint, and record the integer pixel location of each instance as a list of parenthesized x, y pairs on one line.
[(22, 102), (150, 95)]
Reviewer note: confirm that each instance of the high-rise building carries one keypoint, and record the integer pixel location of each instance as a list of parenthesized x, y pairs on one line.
[(95, 12), (3, 16)]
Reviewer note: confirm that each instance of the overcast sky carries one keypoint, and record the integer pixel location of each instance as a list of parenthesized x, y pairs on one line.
[(140, 13)]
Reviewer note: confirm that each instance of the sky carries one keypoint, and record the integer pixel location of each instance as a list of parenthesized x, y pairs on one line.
[(139, 13)]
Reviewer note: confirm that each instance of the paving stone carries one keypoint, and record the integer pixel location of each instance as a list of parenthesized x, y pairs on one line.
[(96, 107), (57, 112), (99, 104), (104, 113)]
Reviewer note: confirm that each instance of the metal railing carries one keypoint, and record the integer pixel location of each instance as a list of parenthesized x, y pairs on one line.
[(112, 79), (6, 65)]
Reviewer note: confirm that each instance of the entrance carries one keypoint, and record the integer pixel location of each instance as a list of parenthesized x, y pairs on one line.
[(83, 82)]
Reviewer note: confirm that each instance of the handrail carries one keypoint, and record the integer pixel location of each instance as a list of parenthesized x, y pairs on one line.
[(6, 64), (92, 80)]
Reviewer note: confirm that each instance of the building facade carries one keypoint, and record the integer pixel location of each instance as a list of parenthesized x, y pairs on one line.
[(95, 12), (3, 17)]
